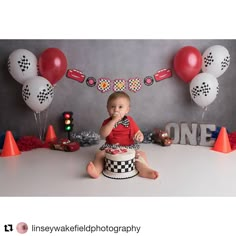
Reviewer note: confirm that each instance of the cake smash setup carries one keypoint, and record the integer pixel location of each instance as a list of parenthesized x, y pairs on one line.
[(39, 76)]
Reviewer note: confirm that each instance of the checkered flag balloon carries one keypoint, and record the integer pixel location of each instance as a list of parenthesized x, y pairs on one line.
[(22, 65), (215, 60), (204, 88), (38, 93)]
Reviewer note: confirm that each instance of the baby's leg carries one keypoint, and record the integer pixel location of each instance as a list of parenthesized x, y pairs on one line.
[(143, 168), (95, 168)]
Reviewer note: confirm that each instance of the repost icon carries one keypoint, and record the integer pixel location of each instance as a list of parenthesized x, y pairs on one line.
[(8, 228)]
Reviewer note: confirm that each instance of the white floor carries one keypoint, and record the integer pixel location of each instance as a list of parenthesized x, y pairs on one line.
[(184, 171)]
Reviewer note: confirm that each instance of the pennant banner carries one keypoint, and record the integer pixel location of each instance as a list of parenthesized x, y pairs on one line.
[(106, 84)]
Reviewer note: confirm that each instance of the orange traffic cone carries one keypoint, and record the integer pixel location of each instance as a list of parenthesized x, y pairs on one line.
[(222, 143), (51, 135), (10, 147)]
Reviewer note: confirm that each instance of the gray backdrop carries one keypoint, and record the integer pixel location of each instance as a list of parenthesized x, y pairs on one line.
[(154, 106)]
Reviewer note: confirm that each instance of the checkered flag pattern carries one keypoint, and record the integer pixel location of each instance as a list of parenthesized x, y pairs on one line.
[(225, 63), (119, 85), (9, 65), (45, 93), (42, 95), (26, 93), (120, 166), (204, 90), (24, 63), (134, 84), (104, 85)]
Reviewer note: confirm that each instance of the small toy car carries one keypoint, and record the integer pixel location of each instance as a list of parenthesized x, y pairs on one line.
[(64, 145), (161, 137)]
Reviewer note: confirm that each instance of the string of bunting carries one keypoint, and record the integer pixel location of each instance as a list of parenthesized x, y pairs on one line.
[(105, 84)]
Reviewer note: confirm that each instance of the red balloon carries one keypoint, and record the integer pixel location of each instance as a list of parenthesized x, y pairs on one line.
[(187, 63), (52, 64)]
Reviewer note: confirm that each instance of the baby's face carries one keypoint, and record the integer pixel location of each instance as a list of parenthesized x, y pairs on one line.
[(120, 105)]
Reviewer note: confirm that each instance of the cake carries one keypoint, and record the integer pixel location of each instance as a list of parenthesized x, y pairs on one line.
[(120, 163)]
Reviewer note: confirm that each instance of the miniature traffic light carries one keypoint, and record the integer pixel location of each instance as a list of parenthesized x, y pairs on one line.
[(68, 122)]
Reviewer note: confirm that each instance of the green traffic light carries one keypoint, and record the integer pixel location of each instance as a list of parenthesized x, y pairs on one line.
[(68, 128)]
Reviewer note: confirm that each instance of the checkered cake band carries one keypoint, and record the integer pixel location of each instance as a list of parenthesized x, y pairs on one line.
[(120, 169)]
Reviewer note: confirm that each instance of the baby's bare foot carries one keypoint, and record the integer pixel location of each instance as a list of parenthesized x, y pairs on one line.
[(155, 174), (148, 173), (91, 170)]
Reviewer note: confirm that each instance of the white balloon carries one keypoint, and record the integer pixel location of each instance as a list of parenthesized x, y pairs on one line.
[(22, 65), (215, 60), (37, 93), (204, 88)]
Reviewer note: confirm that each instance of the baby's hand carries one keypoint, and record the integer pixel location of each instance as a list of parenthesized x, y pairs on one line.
[(139, 136), (116, 117)]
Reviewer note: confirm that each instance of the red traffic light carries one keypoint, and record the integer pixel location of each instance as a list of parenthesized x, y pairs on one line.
[(67, 115)]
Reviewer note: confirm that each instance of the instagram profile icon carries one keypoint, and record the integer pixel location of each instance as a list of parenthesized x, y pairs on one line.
[(22, 228)]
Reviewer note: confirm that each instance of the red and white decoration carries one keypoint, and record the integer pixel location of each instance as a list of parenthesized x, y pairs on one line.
[(75, 75), (162, 74)]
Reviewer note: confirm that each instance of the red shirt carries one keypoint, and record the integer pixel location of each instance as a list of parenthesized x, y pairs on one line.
[(122, 135)]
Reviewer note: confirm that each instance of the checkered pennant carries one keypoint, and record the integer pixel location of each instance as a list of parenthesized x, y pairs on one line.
[(119, 166), (104, 85), (134, 84), (119, 85)]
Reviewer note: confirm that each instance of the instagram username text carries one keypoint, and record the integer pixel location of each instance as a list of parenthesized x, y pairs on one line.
[(87, 228)]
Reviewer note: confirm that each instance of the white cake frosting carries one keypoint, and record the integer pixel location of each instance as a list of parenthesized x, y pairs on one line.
[(125, 156)]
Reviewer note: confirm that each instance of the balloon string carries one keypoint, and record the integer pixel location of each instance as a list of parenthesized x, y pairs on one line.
[(203, 113), (45, 122), (36, 121), (38, 124)]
